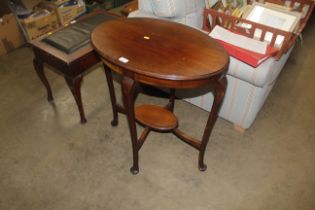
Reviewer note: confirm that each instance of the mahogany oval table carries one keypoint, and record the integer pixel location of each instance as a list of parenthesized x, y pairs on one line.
[(163, 54)]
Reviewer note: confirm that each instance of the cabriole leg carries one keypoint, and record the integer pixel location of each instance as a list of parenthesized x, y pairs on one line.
[(110, 84), (39, 67), (128, 91), (74, 85), (219, 87)]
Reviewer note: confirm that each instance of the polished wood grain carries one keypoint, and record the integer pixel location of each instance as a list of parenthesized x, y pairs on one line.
[(128, 8), (164, 54), (158, 50), (156, 117)]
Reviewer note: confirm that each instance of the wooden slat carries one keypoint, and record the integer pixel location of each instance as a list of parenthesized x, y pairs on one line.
[(234, 24)]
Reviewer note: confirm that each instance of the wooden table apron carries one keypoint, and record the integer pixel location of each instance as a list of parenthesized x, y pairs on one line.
[(164, 54)]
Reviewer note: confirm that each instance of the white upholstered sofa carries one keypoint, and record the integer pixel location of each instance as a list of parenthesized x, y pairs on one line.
[(246, 91), (189, 12), (247, 88)]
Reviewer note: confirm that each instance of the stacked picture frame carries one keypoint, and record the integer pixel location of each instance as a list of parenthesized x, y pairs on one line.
[(280, 33)]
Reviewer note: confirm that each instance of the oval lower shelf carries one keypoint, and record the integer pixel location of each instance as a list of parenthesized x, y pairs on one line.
[(156, 117)]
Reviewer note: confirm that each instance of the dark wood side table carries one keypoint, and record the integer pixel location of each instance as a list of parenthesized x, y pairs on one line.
[(128, 8), (72, 66), (164, 54)]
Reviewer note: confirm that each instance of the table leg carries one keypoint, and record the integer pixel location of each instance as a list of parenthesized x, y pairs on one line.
[(74, 85), (39, 67), (171, 101), (128, 92), (219, 87), (110, 84)]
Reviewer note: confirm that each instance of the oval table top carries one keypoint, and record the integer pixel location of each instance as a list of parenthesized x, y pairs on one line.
[(159, 49)]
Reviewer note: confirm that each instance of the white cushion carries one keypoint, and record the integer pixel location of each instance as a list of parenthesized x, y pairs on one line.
[(189, 12), (141, 13), (163, 8), (145, 5)]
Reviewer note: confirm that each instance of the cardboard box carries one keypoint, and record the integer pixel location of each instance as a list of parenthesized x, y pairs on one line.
[(121, 2), (10, 34), (109, 4), (103, 5), (30, 4), (67, 10), (42, 22), (94, 6), (68, 13)]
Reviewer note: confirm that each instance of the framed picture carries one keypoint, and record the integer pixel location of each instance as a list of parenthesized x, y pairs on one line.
[(234, 3), (273, 16), (211, 3)]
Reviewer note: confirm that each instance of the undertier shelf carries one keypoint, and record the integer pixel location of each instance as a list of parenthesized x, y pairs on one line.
[(156, 117)]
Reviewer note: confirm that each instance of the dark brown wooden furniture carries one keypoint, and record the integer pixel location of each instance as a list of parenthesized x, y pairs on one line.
[(165, 54), (128, 8), (72, 66)]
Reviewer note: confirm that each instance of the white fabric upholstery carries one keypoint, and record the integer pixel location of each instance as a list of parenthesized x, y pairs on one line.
[(189, 12), (246, 92), (163, 8), (247, 87)]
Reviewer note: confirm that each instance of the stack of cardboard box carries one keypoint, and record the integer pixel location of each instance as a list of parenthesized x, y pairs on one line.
[(43, 20), (47, 16), (29, 4), (67, 10), (11, 36), (92, 5)]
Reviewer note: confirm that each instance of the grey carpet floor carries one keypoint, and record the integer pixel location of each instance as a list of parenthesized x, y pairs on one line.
[(49, 161)]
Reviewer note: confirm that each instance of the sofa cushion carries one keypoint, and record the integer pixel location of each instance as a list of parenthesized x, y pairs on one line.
[(141, 13), (263, 75), (164, 8), (176, 8), (191, 20), (188, 12), (145, 6)]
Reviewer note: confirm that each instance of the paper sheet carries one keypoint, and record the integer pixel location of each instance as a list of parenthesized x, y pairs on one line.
[(238, 40)]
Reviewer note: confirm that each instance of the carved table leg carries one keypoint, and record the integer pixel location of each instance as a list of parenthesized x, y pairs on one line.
[(219, 87), (39, 67), (110, 84), (74, 85), (128, 91), (171, 101)]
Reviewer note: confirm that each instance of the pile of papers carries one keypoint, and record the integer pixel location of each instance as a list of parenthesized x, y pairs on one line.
[(250, 51)]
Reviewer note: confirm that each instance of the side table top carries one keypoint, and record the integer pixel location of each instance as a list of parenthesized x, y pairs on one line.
[(159, 49), (59, 54)]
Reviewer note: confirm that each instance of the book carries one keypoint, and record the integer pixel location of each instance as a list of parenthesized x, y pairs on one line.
[(250, 51), (252, 58), (238, 40)]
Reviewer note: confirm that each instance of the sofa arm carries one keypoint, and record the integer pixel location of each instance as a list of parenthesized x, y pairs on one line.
[(265, 73), (171, 8), (141, 13)]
